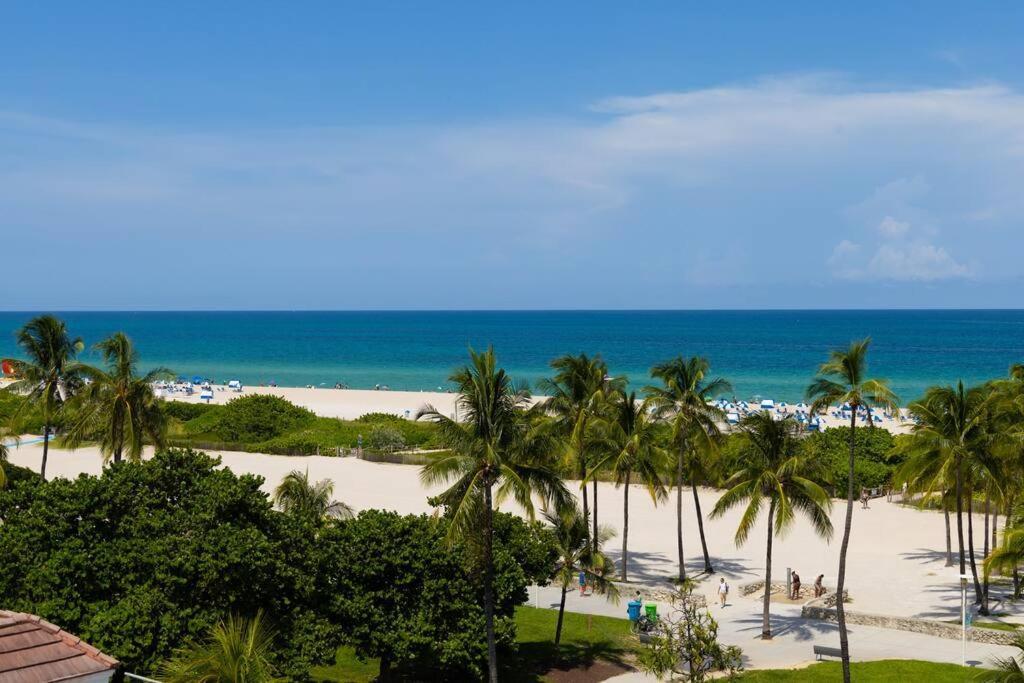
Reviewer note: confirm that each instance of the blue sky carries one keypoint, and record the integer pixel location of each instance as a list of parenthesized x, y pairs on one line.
[(535, 155)]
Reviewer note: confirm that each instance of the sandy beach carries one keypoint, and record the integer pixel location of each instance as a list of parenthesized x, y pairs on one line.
[(896, 559), (349, 404)]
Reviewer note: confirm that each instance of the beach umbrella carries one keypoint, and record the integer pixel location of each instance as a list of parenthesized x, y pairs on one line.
[(767, 404)]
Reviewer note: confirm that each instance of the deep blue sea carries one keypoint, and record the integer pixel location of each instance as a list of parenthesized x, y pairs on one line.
[(764, 353)]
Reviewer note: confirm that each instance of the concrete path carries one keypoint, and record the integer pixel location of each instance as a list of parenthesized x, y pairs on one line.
[(739, 623)]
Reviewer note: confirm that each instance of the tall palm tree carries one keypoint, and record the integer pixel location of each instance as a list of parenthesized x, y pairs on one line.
[(773, 469), (576, 555), (50, 375), (298, 495), (843, 380), (492, 458), (630, 445), (119, 408), (577, 395), (683, 399), (949, 445), (235, 651)]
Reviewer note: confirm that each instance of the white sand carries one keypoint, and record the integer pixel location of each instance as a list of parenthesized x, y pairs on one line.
[(896, 558), (349, 404)]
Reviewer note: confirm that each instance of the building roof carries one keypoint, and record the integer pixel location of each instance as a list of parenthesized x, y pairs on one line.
[(35, 651)]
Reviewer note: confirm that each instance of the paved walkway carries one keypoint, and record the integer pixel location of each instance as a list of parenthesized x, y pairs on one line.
[(739, 623)]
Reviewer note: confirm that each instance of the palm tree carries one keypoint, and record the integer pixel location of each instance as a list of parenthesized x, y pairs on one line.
[(576, 554), (50, 375), (297, 495), (1005, 669), (119, 408), (683, 400), (577, 394), (948, 446), (629, 440), (492, 458), (235, 651), (843, 380), (773, 469)]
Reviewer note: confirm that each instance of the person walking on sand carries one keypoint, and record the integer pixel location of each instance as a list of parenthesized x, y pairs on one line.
[(819, 586), (723, 591), (796, 587)]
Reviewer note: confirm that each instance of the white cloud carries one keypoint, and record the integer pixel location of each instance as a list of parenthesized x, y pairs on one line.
[(769, 164), (915, 262), (890, 227)]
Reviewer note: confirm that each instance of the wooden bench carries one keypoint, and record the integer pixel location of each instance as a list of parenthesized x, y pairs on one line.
[(824, 651)]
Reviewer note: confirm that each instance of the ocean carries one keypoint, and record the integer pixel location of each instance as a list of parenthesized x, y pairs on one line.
[(762, 353)]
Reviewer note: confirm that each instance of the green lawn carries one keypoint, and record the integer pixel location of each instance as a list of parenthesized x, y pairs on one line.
[(584, 640), (894, 670)]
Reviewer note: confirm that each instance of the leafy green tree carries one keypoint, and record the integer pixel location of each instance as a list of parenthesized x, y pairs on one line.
[(629, 444), (237, 650), (877, 456), (683, 400), (119, 407), (401, 594), (150, 555), (577, 396), (775, 470), (688, 640), (491, 459), (50, 375), (576, 555), (843, 380)]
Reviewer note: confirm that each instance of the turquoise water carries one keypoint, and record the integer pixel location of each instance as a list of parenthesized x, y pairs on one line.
[(767, 353)]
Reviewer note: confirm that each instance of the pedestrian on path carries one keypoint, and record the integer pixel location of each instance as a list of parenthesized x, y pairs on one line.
[(723, 591)]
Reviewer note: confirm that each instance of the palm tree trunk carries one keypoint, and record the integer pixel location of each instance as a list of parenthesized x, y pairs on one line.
[(960, 517), (970, 547), (844, 642), (583, 485), (708, 569), (46, 450), (561, 613), (492, 649), (679, 515), (625, 528), (766, 621), (949, 543), (594, 536)]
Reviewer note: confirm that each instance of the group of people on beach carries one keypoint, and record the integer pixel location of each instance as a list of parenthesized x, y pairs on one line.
[(794, 586)]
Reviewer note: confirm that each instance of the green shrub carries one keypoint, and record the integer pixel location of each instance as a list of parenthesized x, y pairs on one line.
[(259, 417), (386, 438), (180, 410), (380, 417)]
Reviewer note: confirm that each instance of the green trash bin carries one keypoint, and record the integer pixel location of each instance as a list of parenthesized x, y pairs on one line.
[(651, 611)]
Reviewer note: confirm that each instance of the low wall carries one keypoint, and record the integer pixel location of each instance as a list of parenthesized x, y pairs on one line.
[(815, 609)]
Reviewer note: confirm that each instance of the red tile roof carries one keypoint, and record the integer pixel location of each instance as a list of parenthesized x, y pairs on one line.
[(36, 651)]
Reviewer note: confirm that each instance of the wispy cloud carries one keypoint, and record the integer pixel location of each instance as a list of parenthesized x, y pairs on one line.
[(814, 174)]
